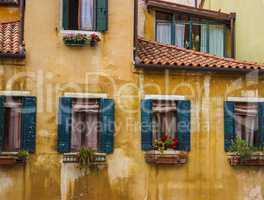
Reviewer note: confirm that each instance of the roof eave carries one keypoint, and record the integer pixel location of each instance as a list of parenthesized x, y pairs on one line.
[(21, 55), (193, 68)]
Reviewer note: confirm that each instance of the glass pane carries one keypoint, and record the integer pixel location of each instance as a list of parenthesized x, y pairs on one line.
[(86, 14), (196, 37), (180, 32), (204, 34), (164, 32), (216, 40)]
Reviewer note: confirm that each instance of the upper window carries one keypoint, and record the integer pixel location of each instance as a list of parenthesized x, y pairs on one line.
[(87, 123), (18, 123), (190, 33), (85, 15), (165, 121)]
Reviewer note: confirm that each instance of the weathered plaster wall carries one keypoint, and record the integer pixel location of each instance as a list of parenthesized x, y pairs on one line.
[(51, 69), (249, 32)]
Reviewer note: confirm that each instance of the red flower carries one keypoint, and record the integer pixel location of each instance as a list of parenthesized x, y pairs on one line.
[(164, 138)]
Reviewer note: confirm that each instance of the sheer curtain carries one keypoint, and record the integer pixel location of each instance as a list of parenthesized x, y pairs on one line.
[(204, 33), (216, 40), (164, 32), (180, 32), (86, 14)]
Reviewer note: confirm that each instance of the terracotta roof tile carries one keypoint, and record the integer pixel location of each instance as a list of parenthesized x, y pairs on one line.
[(154, 53), (10, 39)]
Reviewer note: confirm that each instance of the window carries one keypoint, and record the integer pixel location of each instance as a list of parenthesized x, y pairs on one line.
[(190, 33), (18, 123), (244, 120), (85, 123), (85, 15), (160, 117)]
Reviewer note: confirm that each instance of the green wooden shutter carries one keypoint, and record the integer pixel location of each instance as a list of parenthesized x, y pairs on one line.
[(229, 123), (29, 123), (183, 117), (146, 125), (107, 125), (66, 13), (261, 124), (2, 121), (64, 125), (101, 15)]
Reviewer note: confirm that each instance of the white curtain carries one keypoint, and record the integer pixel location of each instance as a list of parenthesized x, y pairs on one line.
[(180, 32), (86, 21), (216, 40), (204, 28), (164, 32)]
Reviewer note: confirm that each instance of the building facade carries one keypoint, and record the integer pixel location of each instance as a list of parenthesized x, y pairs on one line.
[(130, 67)]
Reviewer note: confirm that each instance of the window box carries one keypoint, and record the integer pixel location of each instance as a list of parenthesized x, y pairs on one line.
[(99, 159), (81, 39), (256, 159), (168, 157), (8, 159)]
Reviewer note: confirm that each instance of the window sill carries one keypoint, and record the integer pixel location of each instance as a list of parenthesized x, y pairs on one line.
[(99, 158), (11, 158), (168, 157), (256, 159), (65, 32)]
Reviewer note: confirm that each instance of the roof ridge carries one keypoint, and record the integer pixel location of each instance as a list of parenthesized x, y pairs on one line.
[(11, 22)]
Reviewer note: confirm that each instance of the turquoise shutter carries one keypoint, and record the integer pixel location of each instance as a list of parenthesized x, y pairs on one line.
[(146, 125), (101, 15), (184, 125), (229, 123), (2, 121), (64, 125), (29, 109), (107, 125), (66, 13), (261, 123)]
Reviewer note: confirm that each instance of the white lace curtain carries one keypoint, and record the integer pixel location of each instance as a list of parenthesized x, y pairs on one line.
[(86, 12), (164, 32)]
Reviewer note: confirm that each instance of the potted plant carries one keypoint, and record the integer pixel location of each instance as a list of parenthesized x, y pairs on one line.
[(22, 156), (94, 38), (75, 39)]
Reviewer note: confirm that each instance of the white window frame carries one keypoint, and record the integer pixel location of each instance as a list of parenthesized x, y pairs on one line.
[(246, 99), (85, 95), (165, 97)]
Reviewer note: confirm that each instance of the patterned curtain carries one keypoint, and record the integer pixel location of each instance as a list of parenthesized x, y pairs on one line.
[(84, 125), (180, 32), (86, 12), (216, 40), (164, 32)]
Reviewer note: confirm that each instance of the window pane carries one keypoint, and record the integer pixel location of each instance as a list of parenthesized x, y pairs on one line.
[(204, 35), (246, 122), (196, 37), (86, 14), (84, 124), (216, 40), (73, 15), (164, 32), (12, 137), (180, 32)]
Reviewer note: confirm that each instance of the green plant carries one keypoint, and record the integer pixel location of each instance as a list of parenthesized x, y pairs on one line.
[(241, 147), (86, 158), (22, 154)]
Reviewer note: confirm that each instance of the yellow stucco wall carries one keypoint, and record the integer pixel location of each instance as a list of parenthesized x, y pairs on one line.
[(52, 69), (249, 31)]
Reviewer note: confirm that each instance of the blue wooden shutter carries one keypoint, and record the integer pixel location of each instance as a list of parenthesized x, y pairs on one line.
[(107, 125), (2, 121), (184, 125), (66, 13), (29, 109), (64, 125), (229, 123), (101, 15), (261, 123), (146, 125)]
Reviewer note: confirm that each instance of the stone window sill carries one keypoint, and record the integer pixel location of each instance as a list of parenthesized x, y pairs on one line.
[(11, 158), (168, 157)]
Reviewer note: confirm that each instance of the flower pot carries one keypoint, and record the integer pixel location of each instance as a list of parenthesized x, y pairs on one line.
[(92, 43), (75, 43), (256, 159)]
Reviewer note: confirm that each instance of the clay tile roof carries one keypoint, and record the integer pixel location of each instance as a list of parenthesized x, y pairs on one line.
[(10, 40), (158, 55)]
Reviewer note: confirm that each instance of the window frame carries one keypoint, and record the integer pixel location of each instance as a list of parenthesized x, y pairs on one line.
[(191, 23)]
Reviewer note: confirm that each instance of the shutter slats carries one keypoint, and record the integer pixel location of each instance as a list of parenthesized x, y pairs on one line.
[(29, 123), (107, 125), (64, 125), (184, 125), (229, 123), (101, 15), (2, 121), (146, 125)]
